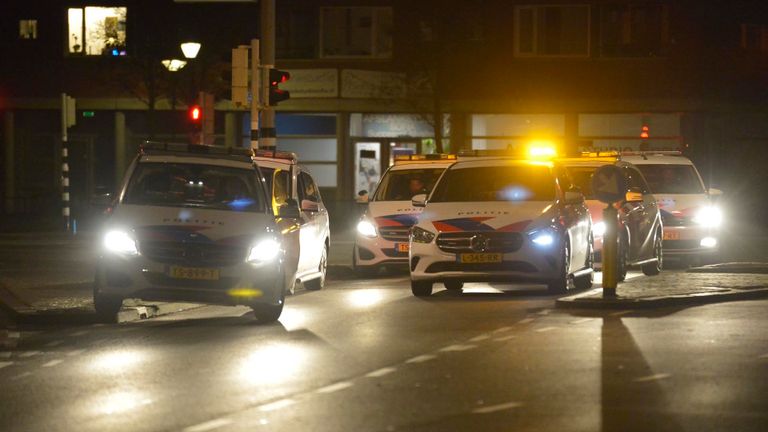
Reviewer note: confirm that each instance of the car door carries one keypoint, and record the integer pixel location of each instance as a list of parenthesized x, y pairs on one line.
[(636, 215), (280, 185), (313, 216), (650, 213), (576, 217)]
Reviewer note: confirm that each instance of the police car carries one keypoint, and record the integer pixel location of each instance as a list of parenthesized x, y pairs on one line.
[(307, 237), (690, 217), (503, 220), (193, 223), (640, 226), (382, 232)]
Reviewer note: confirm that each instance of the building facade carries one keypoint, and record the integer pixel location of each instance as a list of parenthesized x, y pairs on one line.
[(372, 79)]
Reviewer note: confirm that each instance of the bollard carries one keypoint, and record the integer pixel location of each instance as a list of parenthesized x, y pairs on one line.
[(610, 251)]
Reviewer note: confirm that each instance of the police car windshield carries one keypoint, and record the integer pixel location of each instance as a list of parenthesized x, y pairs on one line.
[(497, 183), (198, 186), (402, 185), (672, 179)]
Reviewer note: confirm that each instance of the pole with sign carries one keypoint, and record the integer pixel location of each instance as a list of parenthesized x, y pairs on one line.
[(67, 119), (609, 186)]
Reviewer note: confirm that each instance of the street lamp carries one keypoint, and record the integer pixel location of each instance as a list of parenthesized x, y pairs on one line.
[(173, 65), (190, 49)]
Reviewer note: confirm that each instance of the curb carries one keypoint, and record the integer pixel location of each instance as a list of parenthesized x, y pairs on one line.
[(583, 301)]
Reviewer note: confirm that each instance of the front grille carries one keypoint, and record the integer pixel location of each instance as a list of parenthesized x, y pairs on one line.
[(681, 244), (508, 266), (395, 234), (493, 242), (160, 279), (193, 254), (669, 220), (394, 253)]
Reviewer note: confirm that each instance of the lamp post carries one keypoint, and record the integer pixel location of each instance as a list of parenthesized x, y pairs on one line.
[(190, 50), (173, 65)]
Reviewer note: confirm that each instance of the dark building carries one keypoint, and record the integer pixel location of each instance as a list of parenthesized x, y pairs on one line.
[(379, 78)]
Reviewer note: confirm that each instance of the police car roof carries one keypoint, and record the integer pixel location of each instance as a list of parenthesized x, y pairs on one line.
[(500, 161)]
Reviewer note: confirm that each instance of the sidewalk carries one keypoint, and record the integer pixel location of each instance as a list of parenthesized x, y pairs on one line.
[(709, 284)]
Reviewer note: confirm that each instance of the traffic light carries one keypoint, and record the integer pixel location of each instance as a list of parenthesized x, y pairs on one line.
[(195, 115), (644, 132), (277, 95)]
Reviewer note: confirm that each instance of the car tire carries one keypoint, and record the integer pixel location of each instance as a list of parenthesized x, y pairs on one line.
[(559, 285), (584, 281), (421, 288), (453, 285), (621, 275), (266, 313), (107, 305), (654, 268), (318, 283)]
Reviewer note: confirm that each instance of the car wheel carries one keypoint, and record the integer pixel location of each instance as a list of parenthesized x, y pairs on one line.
[(107, 306), (318, 283), (654, 268), (559, 285), (266, 313), (421, 288), (621, 275), (454, 285), (585, 281)]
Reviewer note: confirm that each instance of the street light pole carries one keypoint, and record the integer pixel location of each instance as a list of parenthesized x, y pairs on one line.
[(267, 134)]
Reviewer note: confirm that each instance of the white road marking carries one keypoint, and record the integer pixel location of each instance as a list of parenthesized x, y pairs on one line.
[(653, 377), (209, 425), (457, 347), (494, 408), (282, 403), (75, 352), (502, 329), (545, 329), (334, 387), (525, 321), (421, 358), (53, 363), (381, 372), (504, 338), (26, 354), (620, 313), (54, 343), (480, 338), (80, 333), (544, 312), (22, 375), (4, 364), (582, 321)]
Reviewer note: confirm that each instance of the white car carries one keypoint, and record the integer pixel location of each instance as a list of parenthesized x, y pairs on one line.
[(193, 223), (691, 219), (502, 220), (307, 237), (382, 232)]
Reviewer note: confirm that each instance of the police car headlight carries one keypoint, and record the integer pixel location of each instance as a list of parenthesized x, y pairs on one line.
[(420, 235), (710, 217), (120, 242), (598, 229), (543, 238), (264, 251), (366, 228)]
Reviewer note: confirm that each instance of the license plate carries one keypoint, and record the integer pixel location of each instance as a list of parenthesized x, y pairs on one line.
[(671, 235), (402, 247), (195, 273), (473, 258)]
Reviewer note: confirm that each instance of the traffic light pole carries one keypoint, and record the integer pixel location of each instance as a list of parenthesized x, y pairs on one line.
[(267, 132), (256, 99), (67, 120)]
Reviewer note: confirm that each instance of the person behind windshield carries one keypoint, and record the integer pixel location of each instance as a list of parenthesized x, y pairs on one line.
[(416, 186)]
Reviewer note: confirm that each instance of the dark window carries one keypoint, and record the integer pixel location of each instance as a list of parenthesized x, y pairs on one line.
[(308, 189), (356, 32), (635, 181), (545, 31), (633, 30), (672, 179), (582, 178), (402, 185), (496, 183), (196, 186), (296, 33)]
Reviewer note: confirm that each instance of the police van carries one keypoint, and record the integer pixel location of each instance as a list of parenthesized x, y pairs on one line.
[(382, 232)]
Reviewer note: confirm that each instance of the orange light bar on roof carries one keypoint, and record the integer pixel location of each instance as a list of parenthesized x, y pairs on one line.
[(425, 157), (273, 154)]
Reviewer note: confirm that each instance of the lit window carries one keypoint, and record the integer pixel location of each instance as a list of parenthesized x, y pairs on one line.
[(97, 30), (28, 29), (552, 31), (356, 32)]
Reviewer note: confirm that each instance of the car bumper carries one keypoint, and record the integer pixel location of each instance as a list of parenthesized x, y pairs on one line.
[(530, 264), (239, 284), (371, 252), (687, 240)]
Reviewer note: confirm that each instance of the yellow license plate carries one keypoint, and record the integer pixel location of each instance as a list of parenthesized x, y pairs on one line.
[(671, 235), (403, 247), (472, 258), (195, 273)]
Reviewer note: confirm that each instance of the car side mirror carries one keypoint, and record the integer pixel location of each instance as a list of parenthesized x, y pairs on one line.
[(309, 206), (714, 192), (419, 200), (289, 210), (362, 197), (633, 196), (574, 196)]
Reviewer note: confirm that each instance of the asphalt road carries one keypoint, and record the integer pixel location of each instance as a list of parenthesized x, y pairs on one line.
[(368, 356)]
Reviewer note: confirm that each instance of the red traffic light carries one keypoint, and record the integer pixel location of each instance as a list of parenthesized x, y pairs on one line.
[(276, 94), (644, 131), (195, 113)]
